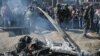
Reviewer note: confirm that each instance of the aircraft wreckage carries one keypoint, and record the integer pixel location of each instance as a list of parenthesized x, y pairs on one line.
[(38, 48)]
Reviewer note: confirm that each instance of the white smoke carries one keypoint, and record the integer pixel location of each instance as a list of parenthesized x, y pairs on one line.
[(16, 6), (34, 22)]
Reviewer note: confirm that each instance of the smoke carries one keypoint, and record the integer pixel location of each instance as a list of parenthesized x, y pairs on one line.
[(16, 6), (15, 13), (34, 22)]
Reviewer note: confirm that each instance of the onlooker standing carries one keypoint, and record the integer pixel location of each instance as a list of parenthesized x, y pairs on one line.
[(86, 20), (58, 14)]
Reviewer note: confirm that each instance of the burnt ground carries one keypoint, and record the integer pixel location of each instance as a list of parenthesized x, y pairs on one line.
[(8, 43)]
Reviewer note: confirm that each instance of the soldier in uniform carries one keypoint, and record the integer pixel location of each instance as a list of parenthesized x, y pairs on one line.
[(58, 14), (96, 22), (66, 12), (91, 17), (86, 20)]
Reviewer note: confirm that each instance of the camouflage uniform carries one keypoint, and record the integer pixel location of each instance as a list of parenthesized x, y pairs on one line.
[(91, 17), (58, 14), (66, 12), (86, 20)]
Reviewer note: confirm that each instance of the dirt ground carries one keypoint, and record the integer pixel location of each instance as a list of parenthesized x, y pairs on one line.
[(84, 43), (7, 43)]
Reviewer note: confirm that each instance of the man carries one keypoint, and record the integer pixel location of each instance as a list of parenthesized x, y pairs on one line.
[(86, 20), (58, 14), (28, 18), (96, 21), (80, 14), (66, 15), (66, 12), (91, 16)]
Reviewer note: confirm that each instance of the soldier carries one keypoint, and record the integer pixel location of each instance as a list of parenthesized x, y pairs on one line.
[(96, 22), (91, 16), (28, 18), (66, 13), (86, 20), (49, 10), (73, 16), (81, 11), (58, 14)]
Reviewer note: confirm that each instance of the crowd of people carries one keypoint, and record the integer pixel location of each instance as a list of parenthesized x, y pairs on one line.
[(86, 15)]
